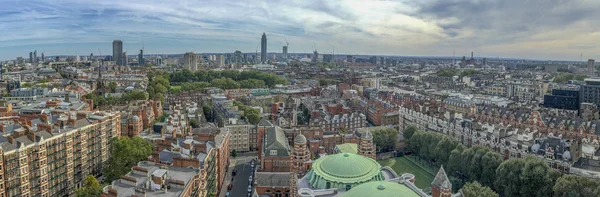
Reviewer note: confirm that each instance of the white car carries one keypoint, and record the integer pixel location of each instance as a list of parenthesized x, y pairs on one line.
[(250, 179), (249, 189)]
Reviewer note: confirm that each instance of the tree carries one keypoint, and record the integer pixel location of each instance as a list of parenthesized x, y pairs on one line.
[(455, 162), (508, 177), (539, 178), (490, 162), (474, 189), (91, 187), (208, 112), (576, 186), (113, 86), (385, 139), (409, 132), (252, 115), (194, 123), (125, 153), (443, 150), (476, 168), (233, 153)]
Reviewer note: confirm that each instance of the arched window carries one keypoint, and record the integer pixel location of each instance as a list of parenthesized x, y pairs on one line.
[(348, 187), (327, 185)]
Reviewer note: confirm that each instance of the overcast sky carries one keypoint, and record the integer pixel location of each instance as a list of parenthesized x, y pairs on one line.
[(532, 29)]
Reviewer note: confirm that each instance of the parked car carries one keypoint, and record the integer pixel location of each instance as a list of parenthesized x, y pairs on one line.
[(230, 186), (234, 172), (249, 188), (250, 179), (227, 194)]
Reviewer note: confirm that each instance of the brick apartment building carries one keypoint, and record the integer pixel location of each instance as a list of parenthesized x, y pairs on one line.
[(50, 155)]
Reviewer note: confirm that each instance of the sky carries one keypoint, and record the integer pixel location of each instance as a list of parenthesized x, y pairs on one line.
[(529, 29)]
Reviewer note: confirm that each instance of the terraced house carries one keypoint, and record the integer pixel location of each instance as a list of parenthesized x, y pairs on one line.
[(50, 155)]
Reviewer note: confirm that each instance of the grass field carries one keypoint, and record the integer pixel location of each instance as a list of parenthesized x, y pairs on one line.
[(403, 165)]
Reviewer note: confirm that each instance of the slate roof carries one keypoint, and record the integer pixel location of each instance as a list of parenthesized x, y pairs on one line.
[(272, 179), (275, 139), (441, 180)]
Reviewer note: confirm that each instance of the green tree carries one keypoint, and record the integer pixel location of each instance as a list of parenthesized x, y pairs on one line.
[(385, 139), (508, 177), (113, 86), (474, 189), (538, 178), (443, 150), (125, 153), (455, 162), (409, 132), (91, 187), (476, 168), (252, 115), (208, 112), (576, 186), (233, 153), (490, 162), (194, 123)]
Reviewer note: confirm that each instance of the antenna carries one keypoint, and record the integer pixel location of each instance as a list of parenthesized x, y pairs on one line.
[(314, 47), (581, 59)]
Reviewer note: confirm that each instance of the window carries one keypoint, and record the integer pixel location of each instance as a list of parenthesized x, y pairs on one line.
[(273, 152)]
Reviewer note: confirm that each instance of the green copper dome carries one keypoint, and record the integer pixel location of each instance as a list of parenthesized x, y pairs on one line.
[(343, 171), (380, 189)]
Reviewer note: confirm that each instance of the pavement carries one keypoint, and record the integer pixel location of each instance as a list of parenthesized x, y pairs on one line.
[(240, 182)]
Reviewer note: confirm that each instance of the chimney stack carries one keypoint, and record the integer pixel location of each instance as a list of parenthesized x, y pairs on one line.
[(67, 99)]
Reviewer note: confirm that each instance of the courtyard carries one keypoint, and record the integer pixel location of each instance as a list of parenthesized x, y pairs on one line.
[(404, 165)]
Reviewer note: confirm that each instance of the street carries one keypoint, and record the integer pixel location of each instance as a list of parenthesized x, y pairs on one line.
[(240, 181)]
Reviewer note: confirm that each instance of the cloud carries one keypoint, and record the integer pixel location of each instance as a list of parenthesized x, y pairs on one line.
[(520, 28)]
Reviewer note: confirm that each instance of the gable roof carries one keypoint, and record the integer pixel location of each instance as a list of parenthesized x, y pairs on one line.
[(275, 139)]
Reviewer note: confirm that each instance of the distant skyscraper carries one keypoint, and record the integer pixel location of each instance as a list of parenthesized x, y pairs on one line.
[(190, 61), (91, 56), (118, 52), (141, 57), (159, 61), (349, 59), (592, 67), (30, 57), (285, 52), (220, 59), (124, 60), (43, 56), (35, 58), (263, 48)]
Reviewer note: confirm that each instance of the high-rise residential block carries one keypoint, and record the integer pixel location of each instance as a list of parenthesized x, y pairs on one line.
[(263, 48), (141, 57), (118, 52), (190, 61)]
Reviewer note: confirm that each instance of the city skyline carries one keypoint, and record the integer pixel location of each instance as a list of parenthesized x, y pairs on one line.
[(563, 31)]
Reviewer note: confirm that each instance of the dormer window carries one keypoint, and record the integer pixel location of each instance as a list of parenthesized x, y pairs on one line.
[(273, 152)]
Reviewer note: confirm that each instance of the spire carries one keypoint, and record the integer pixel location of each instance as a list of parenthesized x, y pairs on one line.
[(441, 180)]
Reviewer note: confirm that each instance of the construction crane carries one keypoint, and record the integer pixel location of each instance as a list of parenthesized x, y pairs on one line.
[(287, 44)]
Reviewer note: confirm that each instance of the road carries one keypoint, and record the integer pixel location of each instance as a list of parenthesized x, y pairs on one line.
[(240, 181)]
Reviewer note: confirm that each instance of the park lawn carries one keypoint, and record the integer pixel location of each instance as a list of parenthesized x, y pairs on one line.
[(402, 165)]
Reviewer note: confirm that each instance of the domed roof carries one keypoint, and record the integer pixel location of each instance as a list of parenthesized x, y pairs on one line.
[(380, 189), (343, 169), (300, 139), (135, 118)]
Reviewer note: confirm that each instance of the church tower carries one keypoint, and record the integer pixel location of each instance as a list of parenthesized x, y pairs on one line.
[(441, 186), (300, 159), (365, 145)]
